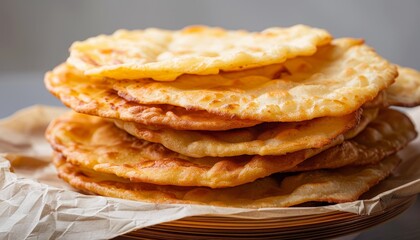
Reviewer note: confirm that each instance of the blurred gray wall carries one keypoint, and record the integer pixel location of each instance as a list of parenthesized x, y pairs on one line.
[(35, 35)]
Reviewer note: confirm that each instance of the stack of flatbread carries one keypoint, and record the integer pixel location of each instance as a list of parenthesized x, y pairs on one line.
[(229, 118)]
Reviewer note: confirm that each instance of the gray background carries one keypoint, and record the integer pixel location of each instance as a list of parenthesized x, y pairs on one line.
[(35, 36)]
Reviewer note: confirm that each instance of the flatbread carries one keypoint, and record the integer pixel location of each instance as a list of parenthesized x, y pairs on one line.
[(332, 186), (380, 101), (263, 139), (384, 136), (335, 81), (405, 91), (97, 144), (164, 55), (96, 97)]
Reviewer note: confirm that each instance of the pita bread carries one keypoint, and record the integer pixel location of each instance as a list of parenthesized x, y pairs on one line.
[(164, 55)]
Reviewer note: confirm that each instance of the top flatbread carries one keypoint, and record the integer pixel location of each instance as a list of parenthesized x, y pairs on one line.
[(164, 55), (335, 81)]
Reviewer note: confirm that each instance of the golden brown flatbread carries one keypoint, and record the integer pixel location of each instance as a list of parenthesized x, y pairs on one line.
[(384, 136), (405, 91), (96, 143), (164, 55), (337, 80), (263, 139), (334, 186), (96, 97)]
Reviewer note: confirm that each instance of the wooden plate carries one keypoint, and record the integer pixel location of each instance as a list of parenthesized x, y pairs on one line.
[(317, 226)]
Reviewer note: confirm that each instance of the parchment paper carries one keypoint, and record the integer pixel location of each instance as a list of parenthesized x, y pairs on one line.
[(36, 204)]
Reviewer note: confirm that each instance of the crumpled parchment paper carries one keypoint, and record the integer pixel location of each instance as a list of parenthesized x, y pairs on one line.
[(36, 204)]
